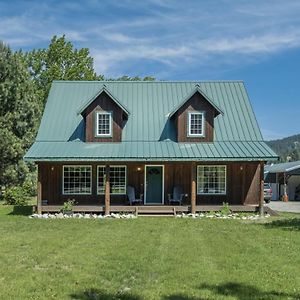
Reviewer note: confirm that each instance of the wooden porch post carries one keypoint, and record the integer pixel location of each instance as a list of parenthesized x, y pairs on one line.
[(193, 188), (261, 197), (107, 191), (39, 190)]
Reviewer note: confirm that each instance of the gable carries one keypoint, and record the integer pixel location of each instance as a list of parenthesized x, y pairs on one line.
[(150, 105), (204, 98), (103, 103), (103, 90), (197, 103)]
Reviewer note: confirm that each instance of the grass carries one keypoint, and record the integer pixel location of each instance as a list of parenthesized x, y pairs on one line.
[(148, 258)]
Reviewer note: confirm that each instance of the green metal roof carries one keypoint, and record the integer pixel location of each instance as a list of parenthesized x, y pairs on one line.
[(283, 167), (149, 132), (154, 151)]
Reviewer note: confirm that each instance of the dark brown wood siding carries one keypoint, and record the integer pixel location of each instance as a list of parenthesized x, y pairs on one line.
[(196, 103), (103, 103), (242, 183)]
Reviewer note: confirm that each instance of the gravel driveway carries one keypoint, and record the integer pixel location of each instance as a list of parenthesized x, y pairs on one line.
[(285, 206)]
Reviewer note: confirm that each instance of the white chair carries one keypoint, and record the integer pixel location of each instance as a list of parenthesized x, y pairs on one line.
[(177, 195), (131, 196)]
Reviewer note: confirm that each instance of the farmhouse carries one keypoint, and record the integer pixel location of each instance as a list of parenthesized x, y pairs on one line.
[(149, 146)]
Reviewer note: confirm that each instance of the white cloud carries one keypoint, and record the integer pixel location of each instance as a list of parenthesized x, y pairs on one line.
[(252, 44), (169, 33)]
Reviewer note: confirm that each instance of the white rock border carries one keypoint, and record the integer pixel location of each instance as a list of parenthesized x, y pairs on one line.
[(82, 216), (217, 215), (209, 215)]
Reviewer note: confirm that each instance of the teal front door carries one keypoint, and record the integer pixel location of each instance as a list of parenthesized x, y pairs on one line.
[(154, 185)]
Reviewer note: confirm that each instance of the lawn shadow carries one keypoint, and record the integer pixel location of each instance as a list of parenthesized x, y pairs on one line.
[(181, 297), (243, 291), (22, 210), (286, 224), (96, 294), (239, 291)]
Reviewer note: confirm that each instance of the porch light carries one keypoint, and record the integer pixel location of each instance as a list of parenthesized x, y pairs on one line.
[(241, 168), (139, 169), (52, 168)]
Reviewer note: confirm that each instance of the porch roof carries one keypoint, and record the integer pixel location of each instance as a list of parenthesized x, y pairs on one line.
[(150, 151), (289, 167)]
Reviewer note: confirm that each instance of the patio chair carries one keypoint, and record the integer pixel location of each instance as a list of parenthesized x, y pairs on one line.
[(177, 196), (131, 196)]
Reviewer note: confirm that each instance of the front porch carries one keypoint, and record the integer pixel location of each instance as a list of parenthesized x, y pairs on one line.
[(104, 187), (152, 209)]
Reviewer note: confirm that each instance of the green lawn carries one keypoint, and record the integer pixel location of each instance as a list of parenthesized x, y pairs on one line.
[(148, 258)]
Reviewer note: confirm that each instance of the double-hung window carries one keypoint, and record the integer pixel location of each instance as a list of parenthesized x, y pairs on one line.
[(103, 124), (211, 179), (117, 179), (77, 180), (195, 124)]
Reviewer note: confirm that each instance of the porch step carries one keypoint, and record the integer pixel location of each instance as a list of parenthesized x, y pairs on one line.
[(157, 215), (161, 210)]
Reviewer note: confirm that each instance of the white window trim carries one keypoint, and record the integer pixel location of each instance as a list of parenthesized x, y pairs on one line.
[(97, 124), (63, 180), (189, 134), (213, 194), (101, 166)]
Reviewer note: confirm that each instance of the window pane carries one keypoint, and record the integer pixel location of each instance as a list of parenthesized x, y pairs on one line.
[(211, 179), (77, 179), (101, 179), (117, 176), (195, 123), (103, 122)]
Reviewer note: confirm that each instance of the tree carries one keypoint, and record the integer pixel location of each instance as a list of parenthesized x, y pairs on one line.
[(19, 116), (135, 78), (60, 61)]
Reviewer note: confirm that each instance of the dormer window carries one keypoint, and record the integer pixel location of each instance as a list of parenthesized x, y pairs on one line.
[(103, 124), (195, 124)]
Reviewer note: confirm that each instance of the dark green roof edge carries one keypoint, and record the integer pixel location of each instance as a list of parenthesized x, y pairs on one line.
[(131, 159), (108, 92), (197, 89), (147, 81)]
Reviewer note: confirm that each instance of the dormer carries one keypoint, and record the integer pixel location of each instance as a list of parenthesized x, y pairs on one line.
[(194, 117), (104, 116)]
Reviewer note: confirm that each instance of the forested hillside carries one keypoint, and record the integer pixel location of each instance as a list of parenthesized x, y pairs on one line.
[(287, 148)]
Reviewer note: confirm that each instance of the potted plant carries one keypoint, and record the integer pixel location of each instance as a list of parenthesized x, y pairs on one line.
[(68, 207)]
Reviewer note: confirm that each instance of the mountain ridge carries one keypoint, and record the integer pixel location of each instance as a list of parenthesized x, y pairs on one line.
[(287, 148)]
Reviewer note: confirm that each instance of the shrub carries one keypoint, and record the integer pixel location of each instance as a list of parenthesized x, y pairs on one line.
[(225, 210), (15, 196), (68, 206), (29, 185)]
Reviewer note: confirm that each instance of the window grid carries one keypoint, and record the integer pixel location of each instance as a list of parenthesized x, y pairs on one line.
[(103, 123), (196, 123), (211, 180), (77, 180), (117, 177)]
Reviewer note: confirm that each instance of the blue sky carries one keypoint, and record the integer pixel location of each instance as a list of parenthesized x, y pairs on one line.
[(254, 41)]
